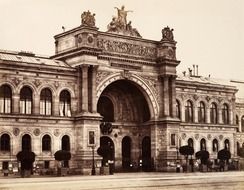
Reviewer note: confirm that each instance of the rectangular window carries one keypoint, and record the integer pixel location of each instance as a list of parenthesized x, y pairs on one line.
[(1, 105), (46, 164), (172, 139), (5, 165)]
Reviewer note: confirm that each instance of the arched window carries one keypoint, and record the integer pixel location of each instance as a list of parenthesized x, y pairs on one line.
[(213, 113), (66, 143), (46, 143), (190, 142), (65, 103), (5, 99), (225, 114), (238, 148), (26, 142), (46, 102), (227, 144), (215, 145), (242, 123), (237, 120), (189, 111), (5, 143), (201, 112), (203, 144), (178, 115), (26, 100)]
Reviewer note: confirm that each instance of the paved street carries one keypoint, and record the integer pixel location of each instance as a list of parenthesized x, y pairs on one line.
[(125, 181)]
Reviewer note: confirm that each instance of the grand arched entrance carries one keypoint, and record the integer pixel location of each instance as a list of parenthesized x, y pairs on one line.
[(124, 105)]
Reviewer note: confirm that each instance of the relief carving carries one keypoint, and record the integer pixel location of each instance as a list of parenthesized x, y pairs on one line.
[(37, 132), (16, 131), (152, 82), (124, 47), (101, 75), (16, 81)]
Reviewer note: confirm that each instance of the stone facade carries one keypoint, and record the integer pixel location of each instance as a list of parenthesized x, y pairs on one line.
[(107, 77)]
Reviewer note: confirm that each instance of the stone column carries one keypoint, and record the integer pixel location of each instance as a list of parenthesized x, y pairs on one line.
[(84, 88), (166, 95), (36, 104), (15, 103), (94, 89), (173, 96), (220, 121), (207, 114), (55, 106)]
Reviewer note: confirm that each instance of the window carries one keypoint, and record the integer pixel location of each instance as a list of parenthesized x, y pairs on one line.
[(225, 114), (189, 112), (65, 143), (190, 142), (203, 144), (237, 120), (46, 143), (215, 145), (5, 99), (227, 144), (172, 139), (5, 143), (178, 115), (26, 142), (26, 100), (242, 123), (238, 148), (213, 113), (46, 164), (46, 102), (5, 165), (64, 103), (201, 113)]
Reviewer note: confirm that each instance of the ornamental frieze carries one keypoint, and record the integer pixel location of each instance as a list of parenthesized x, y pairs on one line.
[(127, 48)]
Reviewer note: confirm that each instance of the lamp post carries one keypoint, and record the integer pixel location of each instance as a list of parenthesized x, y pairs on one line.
[(93, 172)]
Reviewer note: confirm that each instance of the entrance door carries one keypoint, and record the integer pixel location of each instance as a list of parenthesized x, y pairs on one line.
[(107, 145), (126, 153), (146, 154)]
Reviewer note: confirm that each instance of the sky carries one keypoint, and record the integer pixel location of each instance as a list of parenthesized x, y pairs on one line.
[(209, 33)]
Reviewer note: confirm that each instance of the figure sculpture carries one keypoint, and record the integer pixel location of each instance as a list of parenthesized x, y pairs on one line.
[(167, 34), (122, 14), (88, 19)]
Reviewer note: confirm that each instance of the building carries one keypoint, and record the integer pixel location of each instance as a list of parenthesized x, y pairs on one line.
[(116, 90)]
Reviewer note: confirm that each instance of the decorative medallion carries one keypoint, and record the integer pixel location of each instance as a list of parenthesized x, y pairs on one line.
[(37, 82), (16, 81), (56, 84), (106, 128), (37, 132), (195, 97), (90, 39), (183, 136), (208, 98), (196, 136), (56, 132), (221, 137), (209, 136), (16, 131)]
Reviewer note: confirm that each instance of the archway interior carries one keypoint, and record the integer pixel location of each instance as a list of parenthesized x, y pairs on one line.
[(122, 101)]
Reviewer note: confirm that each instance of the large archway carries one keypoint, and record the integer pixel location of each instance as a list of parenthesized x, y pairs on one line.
[(123, 105)]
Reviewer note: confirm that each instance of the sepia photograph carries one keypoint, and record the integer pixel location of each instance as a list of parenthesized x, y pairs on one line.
[(123, 94)]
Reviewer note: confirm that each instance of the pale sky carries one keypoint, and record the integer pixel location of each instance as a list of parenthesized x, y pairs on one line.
[(209, 33)]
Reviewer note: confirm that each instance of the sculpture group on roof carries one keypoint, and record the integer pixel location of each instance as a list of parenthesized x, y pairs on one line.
[(119, 24), (167, 34), (88, 19)]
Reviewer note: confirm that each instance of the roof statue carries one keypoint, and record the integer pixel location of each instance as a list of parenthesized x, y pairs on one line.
[(88, 19), (167, 34), (119, 24)]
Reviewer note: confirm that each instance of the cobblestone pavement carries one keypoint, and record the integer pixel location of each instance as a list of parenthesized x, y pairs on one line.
[(126, 181)]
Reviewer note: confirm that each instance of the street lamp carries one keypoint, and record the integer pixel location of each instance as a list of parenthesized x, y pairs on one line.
[(93, 172)]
